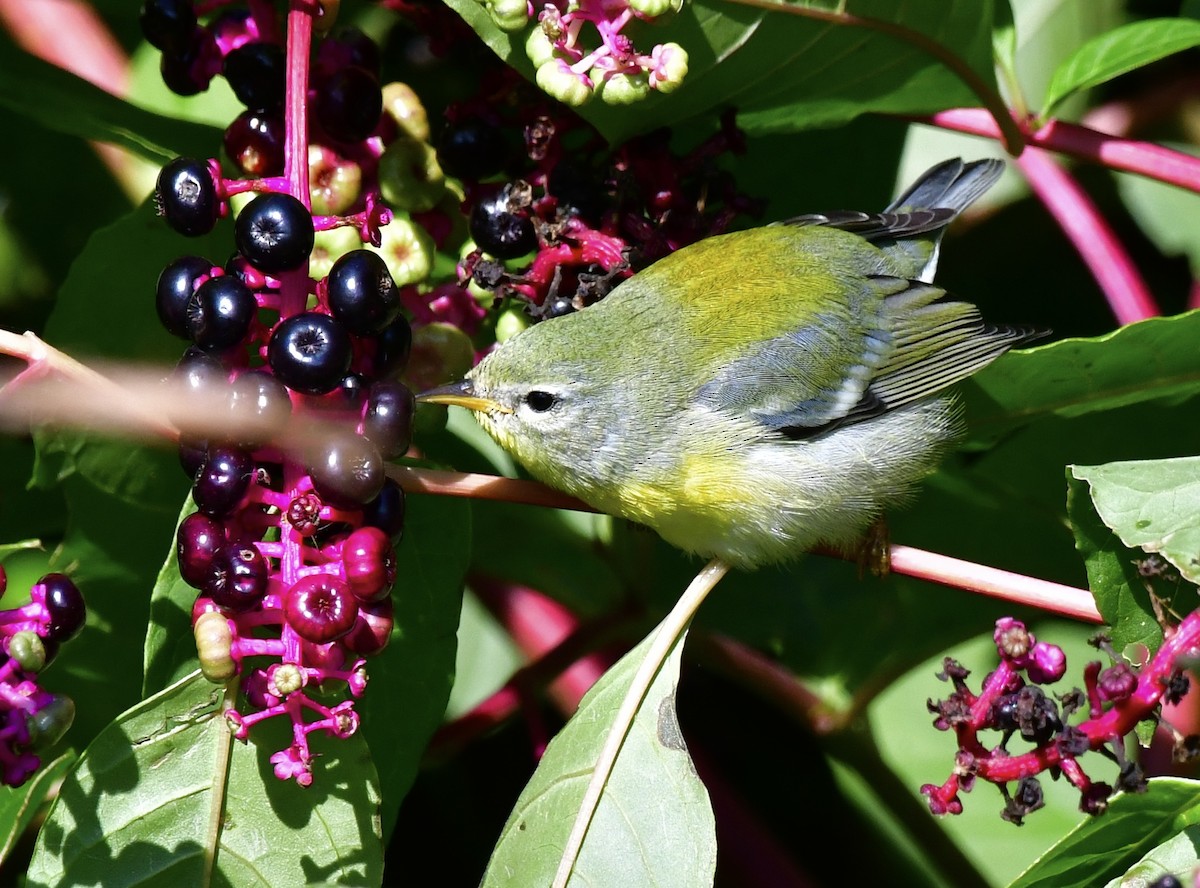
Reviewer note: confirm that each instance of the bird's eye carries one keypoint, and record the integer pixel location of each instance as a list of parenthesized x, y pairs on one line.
[(539, 401)]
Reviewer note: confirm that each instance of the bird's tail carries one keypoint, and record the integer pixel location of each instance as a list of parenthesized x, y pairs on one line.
[(951, 185)]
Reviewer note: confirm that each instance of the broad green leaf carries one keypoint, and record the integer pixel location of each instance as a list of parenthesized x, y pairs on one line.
[(785, 72), (1169, 215), (63, 102), (1119, 51), (19, 805), (1153, 505), (1121, 596), (170, 650), (1101, 848), (165, 786), (1149, 360), (654, 824), (1176, 856)]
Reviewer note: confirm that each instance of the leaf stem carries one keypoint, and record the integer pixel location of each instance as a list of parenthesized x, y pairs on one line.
[(220, 779), (1012, 136), (667, 636)]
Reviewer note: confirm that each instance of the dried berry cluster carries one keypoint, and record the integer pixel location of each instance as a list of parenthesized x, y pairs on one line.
[(1012, 702), (32, 718)]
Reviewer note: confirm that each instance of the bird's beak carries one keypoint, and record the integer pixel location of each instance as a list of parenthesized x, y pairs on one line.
[(462, 394)]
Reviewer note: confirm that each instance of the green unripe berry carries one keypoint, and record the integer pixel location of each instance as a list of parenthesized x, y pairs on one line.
[(510, 323), (539, 47), (558, 81), (509, 15), (329, 246), (27, 649), (285, 679), (670, 67), (410, 177), (404, 107), (407, 249), (335, 182), (214, 645), (623, 89), (654, 8), (48, 725)]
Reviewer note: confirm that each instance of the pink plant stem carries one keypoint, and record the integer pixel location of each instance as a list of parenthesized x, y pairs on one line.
[(1083, 224), (1128, 155)]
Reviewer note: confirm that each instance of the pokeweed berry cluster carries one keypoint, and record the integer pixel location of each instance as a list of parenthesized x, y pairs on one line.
[(32, 718), (1115, 698), (577, 219), (291, 552)]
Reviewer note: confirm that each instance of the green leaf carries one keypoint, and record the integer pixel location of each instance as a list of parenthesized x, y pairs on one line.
[(170, 650), (1121, 597), (1149, 360), (1101, 848), (1176, 856), (1119, 51), (164, 787), (65, 103), (1152, 505), (784, 72), (653, 825), (19, 805)]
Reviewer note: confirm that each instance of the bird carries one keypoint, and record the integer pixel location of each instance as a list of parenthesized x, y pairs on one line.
[(758, 393)]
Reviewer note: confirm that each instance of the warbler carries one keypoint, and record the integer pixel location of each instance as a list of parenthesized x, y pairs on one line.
[(757, 393)]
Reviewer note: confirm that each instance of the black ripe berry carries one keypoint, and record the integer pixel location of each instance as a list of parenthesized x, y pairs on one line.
[(187, 196), (348, 472), (254, 141), (349, 104), (361, 292), (196, 542), (168, 24), (472, 150), (310, 353), (220, 312), (64, 606), (259, 406), (175, 287), (394, 344), (275, 232), (237, 577), (222, 481), (255, 72), (386, 511), (387, 421), (499, 231)]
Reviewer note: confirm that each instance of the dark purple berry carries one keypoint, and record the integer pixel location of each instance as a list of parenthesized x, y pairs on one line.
[(349, 103), (361, 292), (192, 455), (320, 608), (187, 196), (310, 352), (472, 150), (255, 72), (196, 542), (348, 48), (304, 514), (182, 72), (395, 344), (198, 378), (64, 607), (499, 231), (237, 577), (275, 232), (168, 24), (222, 481), (387, 421), (348, 473), (386, 511), (353, 389), (176, 284), (220, 312), (254, 141), (259, 407), (372, 629)]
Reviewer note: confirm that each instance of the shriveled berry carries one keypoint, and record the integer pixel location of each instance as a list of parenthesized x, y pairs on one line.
[(320, 608), (304, 514), (238, 577), (361, 292), (349, 104), (348, 472), (187, 196), (196, 543), (387, 421), (66, 612), (222, 481), (176, 284), (373, 629), (167, 24), (386, 511), (220, 312), (255, 72), (259, 406), (310, 352), (254, 141), (275, 232), (499, 231), (370, 563)]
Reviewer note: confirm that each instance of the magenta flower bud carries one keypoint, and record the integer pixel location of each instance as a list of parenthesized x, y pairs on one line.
[(1013, 640), (1117, 683), (1047, 663)]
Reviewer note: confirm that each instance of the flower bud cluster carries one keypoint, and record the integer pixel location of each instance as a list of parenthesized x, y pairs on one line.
[(32, 718), (1012, 702), (291, 549)]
